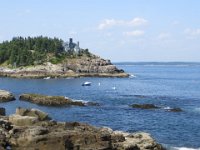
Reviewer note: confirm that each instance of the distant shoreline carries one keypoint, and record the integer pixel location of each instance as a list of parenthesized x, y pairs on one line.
[(158, 63)]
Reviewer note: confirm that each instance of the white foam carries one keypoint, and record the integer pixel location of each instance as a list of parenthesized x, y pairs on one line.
[(132, 76), (114, 88), (167, 108), (184, 148), (70, 78), (80, 100)]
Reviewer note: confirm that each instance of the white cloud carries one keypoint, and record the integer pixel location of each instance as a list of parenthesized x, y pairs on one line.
[(107, 23), (135, 33), (137, 22), (192, 32), (163, 36)]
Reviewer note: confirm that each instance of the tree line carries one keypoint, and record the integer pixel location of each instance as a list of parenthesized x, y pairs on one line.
[(22, 51), (31, 50)]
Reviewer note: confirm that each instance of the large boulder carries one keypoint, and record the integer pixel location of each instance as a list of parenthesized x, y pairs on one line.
[(32, 113), (28, 117), (6, 96), (49, 100), (176, 109), (19, 120)]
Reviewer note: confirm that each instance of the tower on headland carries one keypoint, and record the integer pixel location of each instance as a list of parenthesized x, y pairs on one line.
[(70, 46)]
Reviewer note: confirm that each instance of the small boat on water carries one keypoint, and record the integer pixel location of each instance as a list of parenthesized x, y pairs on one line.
[(114, 88), (47, 78), (86, 83), (132, 76)]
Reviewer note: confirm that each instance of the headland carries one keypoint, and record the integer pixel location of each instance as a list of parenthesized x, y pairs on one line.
[(41, 57)]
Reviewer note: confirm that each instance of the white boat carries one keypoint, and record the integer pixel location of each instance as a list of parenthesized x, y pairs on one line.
[(114, 88), (47, 78), (132, 76), (86, 83)]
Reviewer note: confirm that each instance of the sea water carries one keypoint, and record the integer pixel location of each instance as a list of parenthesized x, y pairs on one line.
[(167, 85)]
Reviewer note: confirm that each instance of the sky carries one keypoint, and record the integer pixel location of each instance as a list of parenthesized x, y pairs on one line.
[(119, 30)]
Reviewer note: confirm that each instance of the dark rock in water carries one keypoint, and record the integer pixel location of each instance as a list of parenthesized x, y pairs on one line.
[(141, 96), (49, 100), (51, 135), (2, 111), (175, 110), (92, 104), (6, 96), (144, 106)]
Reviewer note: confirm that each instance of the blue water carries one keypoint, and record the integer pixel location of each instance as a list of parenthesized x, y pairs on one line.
[(162, 84)]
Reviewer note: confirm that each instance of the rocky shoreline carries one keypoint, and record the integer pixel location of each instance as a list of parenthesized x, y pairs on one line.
[(85, 67), (30, 129)]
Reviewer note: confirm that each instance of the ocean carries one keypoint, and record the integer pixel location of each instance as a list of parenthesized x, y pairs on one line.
[(167, 85)]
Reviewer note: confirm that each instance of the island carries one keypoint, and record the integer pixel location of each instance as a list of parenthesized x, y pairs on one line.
[(40, 57)]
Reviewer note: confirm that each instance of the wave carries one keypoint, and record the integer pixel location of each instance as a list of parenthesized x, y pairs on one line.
[(132, 76), (167, 108), (80, 100), (158, 64), (155, 97), (183, 148)]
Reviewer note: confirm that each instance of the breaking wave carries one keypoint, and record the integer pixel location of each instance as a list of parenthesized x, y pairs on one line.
[(183, 148)]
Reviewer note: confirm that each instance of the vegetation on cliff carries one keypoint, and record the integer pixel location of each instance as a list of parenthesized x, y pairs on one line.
[(28, 51)]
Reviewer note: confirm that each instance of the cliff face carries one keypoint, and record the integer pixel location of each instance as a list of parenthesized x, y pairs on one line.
[(73, 67), (92, 65)]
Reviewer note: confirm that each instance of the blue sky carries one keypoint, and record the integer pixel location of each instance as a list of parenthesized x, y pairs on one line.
[(120, 30)]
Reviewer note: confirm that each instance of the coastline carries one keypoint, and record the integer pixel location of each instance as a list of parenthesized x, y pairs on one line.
[(39, 75), (33, 128), (156, 98), (60, 71)]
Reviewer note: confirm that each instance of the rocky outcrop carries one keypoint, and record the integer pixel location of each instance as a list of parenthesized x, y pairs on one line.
[(77, 67), (144, 106), (49, 100), (92, 65), (176, 109), (6, 96), (152, 106), (27, 117), (51, 135), (32, 113)]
